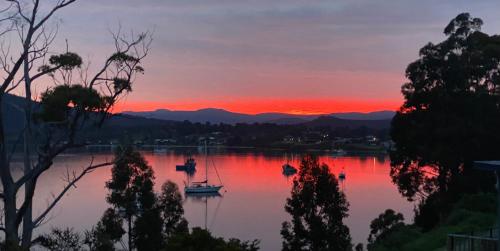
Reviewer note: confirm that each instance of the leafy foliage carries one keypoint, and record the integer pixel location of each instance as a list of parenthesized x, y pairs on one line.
[(148, 226), (129, 174), (317, 208), (147, 232), (170, 204), (131, 192), (152, 218), (108, 231), (383, 225), (450, 117), (202, 240), (123, 58), (58, 103), (66, 61), (122, 84), (471, 213), (62, 240)]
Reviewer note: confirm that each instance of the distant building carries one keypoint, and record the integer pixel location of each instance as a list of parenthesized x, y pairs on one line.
[(289, 139)]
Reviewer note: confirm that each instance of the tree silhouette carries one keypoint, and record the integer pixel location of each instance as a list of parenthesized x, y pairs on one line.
[(75, 99), (318, 208), (170, 205), (151, 218), (450, 118), (382, 225), (202, 240), (131, 189), (148, 226), (108, 231), (61, 240)]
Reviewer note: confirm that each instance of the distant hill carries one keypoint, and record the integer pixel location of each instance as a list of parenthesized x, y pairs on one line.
[(376, 120), (14, 116), (334, 122), (216, 116), (379, 115), (213, 115), (14, 122)]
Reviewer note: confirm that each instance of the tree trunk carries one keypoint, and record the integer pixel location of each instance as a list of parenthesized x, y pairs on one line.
[(28, 218), (30, 184), (130, 233), (9, 193), (11, 234)]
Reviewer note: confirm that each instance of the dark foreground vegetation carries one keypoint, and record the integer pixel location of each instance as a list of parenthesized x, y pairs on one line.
[(153, 221), (450, 118), (472, 213)]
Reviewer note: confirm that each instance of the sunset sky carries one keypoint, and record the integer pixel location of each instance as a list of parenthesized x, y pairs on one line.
[(269, 56)]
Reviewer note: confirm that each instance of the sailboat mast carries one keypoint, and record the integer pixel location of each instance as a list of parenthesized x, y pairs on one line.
[(206, 211), (206, 161)]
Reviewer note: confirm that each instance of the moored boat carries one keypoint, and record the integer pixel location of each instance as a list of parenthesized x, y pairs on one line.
[(338, 152), (288, 169), (201, 187), (342, 175), (188, 166), (158, 150)]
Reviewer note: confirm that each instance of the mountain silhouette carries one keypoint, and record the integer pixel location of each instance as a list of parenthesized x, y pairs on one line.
[(213, 115), (12, 107)]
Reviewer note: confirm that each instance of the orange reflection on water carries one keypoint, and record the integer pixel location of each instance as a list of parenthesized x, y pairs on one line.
[(253, 198)]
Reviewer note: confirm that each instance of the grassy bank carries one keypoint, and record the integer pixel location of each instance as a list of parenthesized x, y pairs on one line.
[(471, 213)]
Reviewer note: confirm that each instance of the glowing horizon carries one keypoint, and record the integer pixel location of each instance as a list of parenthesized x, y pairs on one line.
[(249, 106), (298, 57)]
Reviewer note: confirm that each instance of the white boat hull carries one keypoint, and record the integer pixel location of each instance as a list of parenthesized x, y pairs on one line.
[(202, 189)]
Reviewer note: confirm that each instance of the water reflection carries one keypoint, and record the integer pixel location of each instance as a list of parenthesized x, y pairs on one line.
[(252, 207), (203, 198)]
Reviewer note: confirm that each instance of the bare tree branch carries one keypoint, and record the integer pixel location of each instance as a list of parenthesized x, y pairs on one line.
[(71, 183)]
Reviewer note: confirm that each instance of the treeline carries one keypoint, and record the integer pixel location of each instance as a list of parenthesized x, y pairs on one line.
[(256, 135)]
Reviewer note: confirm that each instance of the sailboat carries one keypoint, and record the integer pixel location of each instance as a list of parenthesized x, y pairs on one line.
[(202, 186), (287, 168)]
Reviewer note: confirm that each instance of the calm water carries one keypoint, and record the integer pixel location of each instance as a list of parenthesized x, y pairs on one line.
[(252, 201)]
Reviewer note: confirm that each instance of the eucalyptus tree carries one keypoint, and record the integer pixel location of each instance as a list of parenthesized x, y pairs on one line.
[(317, 207), (107, 232), (132, 195), (450, 117), (76, 98), (170, 204), (383, 225)]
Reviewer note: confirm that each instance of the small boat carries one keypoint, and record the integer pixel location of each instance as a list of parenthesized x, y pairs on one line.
[(342, 175), (289, 169), (201, 187), (338, 152), (160, 150), (189, 165)]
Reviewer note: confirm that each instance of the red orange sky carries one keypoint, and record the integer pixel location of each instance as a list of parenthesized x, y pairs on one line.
[(292, 106), (292, 56)]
